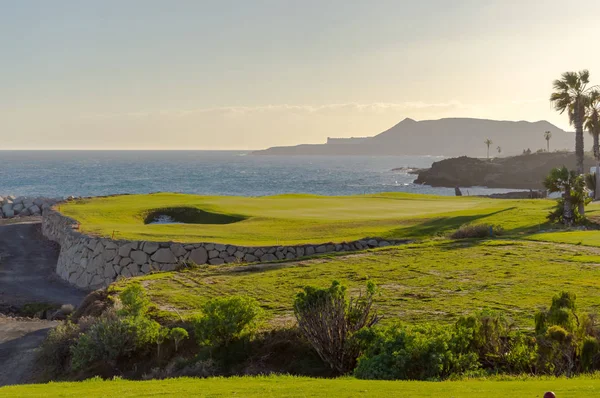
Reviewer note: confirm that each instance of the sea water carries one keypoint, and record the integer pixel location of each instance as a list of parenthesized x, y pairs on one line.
[(92, 173)]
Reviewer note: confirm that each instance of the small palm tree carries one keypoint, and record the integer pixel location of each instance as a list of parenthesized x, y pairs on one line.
[(571, 95), (499, 149), (547, 137), (571, 185), (488, 142)]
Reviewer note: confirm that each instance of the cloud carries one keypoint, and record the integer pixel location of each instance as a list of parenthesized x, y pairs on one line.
[(246, 110)]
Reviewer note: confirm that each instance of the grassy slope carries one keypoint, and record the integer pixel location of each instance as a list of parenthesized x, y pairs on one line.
[(285, 386), (295, 219), (439, 280)]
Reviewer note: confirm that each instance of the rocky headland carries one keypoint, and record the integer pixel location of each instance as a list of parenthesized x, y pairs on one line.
[(518, 172)]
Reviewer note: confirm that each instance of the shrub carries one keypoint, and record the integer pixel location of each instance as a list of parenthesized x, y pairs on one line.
[(55, 350), (477, 231), (178, 335), (411, 353), (590, 354), (328, 321), (226, 319), (497, 342), (111, 338), (134, 301)]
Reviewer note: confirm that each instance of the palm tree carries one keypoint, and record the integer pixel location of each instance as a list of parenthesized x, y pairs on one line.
[(499, 149), (562, 180), (592, 125), (571, 95), (488, 142), (547, 136)]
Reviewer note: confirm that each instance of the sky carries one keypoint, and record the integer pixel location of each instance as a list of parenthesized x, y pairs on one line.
[(250, 74)]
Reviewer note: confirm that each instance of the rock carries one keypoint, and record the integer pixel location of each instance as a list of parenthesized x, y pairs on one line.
[(372, 243), (321, 249), (35, 210), (146, 269), (250, 258), (150, 247), (216, 261), (139, 257), (268, 258), (309, 251), (213, 254), (109, 254), (8, 209), (384, 243), (300, 251), (168, 267), (125, 249), (126, 261), (199, 256), (290, 256), (164, 256), (259, 253), (109, 272), (178, 250)]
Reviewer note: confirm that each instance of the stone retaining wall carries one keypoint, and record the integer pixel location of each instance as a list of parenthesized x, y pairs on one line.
[(90, 262)]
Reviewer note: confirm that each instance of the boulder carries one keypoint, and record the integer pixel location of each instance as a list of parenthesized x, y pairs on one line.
[(178, 250), (151, 247), (139, 257), (199, 256), (164, 256), (217, 261), (35, 210)]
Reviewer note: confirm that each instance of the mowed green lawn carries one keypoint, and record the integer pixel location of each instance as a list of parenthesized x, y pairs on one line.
[(439, 280), (297, 219), (287, 386)]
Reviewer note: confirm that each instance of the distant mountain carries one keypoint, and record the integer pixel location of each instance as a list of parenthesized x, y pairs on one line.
[(444, 137)]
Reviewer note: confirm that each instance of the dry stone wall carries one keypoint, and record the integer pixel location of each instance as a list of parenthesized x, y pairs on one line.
[(91, 262)]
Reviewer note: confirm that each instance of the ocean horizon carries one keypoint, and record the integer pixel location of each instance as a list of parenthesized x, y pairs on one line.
[(61, 173)]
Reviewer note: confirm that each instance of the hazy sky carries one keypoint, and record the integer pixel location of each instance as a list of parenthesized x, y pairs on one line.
[(177, 74)]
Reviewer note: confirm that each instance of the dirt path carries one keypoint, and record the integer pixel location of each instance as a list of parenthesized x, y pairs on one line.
[(19, 340), (27, 263)]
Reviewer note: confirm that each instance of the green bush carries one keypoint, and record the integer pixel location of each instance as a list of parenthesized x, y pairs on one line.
[(226, 319), (55, 350), (178, 335), (112, 338), (477, 231), (134, 301), (411, 353)]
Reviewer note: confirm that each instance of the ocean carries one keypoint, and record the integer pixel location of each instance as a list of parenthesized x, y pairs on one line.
[(93, 173)]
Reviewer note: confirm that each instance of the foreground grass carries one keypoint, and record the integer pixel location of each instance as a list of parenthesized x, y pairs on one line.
[(434, 281), (287, 386), (296, 219)]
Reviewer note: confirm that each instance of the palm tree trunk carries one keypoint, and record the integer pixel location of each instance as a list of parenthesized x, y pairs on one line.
[(578, 137), (567, 210), (596, 145), (578, 116), (597, 190), (548, 146)]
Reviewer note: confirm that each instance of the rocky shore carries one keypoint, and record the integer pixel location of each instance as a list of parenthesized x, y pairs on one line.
[(517, 172)]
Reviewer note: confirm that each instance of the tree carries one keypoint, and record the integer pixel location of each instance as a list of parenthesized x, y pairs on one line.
[(572, 187), (592, 125), (499, 149), (571, 95), (329, 321), (488, 142), (547, 137)]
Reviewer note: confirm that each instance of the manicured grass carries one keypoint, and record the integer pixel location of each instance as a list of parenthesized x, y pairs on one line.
[(296, 219), (585, 238), (287, 386), (435, 281)]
